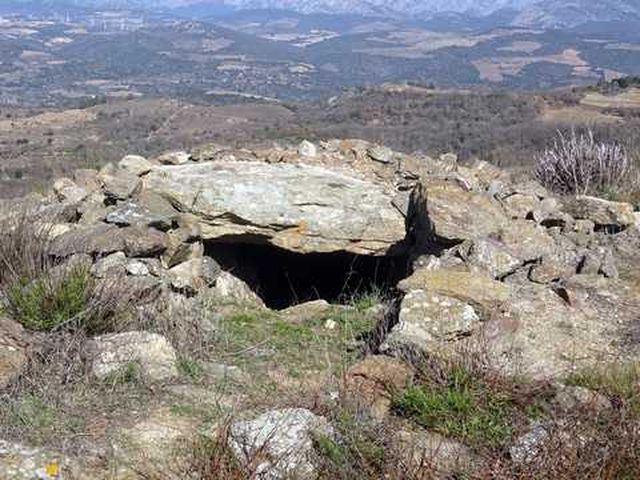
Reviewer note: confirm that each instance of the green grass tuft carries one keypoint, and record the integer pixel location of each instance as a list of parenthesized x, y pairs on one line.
[(47, 303), (463, 407)]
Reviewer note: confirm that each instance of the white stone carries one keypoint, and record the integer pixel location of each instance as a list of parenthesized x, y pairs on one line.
[(307, 149), (154, 355), (286, 436)]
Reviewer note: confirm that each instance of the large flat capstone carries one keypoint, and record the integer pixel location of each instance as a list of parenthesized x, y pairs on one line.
[(301, 208)]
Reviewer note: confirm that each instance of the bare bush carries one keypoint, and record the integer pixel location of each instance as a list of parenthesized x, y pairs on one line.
[(579, 164)]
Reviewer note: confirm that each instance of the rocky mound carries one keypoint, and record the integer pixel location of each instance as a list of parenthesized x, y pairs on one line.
[(474, 260)]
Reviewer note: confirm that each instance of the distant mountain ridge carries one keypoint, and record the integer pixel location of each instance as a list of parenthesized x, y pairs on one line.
[(533, 13)]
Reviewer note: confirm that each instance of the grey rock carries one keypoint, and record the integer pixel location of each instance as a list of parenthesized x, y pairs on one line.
[(149, 210), (310, 209), (490, 255), (137, 268), (286, 436), (427, 320), (110, 265), (13, 351), (380, 154), (601, 212), (527, 447), (120, 186), (135, 165), (447, 208), (174, 158), (437, 457), (67, 191), (307, 149), (152, 353)]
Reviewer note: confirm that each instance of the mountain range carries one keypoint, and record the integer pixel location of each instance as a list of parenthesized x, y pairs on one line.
[(530, 13)]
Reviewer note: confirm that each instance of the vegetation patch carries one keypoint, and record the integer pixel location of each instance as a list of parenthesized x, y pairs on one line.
[(49, 302), (462, 406), (620, 382)]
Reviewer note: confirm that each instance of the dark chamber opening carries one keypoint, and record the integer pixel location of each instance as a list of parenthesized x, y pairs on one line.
[(283, 278)]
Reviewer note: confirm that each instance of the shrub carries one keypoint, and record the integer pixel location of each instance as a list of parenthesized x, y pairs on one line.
[(579, 164), (48, 302), (44, 294)]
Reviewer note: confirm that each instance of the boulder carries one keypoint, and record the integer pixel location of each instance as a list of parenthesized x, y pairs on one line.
[(102, 239), (380, 154), (142, 242), (491, 256), (309, 208), (306, 311), (476, 289), (427, 320), (13, 351), (98, 239), (146, 210), (526, 240), (425, 454), (174, 158), (21, 462), (528, 446), (152, 353), (67, 191), (110, 265), (448, 208), (371, 383), (119, 187), (230, 289), (87, 178), (540, 335), (307, 149), (137, 268), (602, 212), (286, 438), (194, 274), (135, 165)]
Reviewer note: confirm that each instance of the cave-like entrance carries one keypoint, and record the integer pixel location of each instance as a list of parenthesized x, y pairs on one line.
[(283, 278)]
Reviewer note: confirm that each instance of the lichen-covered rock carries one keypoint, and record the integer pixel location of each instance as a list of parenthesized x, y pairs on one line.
[(600, 211), (427, 320), (476, 289), (135, 165), (194, 274), (147, 209), (174, 158), (232, 290), (120, 186), (152, 353), (541, 336), (430, 455), (110, 265), (370, 383), (526, 240), (491, 256), (449, 209), (67, 191), (287, 438), (309, 209)]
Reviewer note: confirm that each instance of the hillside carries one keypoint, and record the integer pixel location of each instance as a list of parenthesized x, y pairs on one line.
[(328, 311), (507, 129)]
